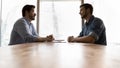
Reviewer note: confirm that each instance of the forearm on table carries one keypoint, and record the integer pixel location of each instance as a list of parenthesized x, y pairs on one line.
[(85, 39), (41, 39)]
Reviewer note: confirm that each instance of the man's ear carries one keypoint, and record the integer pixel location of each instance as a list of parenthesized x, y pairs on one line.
[(26, 12), (88, 10)]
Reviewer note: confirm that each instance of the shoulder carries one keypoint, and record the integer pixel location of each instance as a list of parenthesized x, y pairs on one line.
[(20, 21), (97, 21)]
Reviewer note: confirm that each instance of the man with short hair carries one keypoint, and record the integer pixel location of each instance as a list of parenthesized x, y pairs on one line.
[(23, 30), (93, 30)]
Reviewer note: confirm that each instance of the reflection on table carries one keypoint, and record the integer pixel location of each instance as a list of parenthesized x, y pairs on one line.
[(60, 55)]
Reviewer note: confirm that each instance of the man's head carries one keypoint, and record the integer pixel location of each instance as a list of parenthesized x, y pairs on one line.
[(85, 10), (28, 11)]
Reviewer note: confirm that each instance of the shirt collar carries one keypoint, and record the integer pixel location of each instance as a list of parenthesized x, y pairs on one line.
[(28, 22)]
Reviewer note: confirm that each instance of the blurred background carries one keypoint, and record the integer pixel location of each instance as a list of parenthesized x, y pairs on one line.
[(60, 17)]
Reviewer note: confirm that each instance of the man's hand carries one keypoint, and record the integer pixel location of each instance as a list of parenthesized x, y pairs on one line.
[(70, 39), (49, 38)]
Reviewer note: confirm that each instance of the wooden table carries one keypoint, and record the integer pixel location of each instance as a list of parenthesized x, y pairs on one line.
[(60, 55)]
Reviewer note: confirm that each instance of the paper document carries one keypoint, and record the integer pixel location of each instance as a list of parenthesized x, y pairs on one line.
[(59, 41)]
